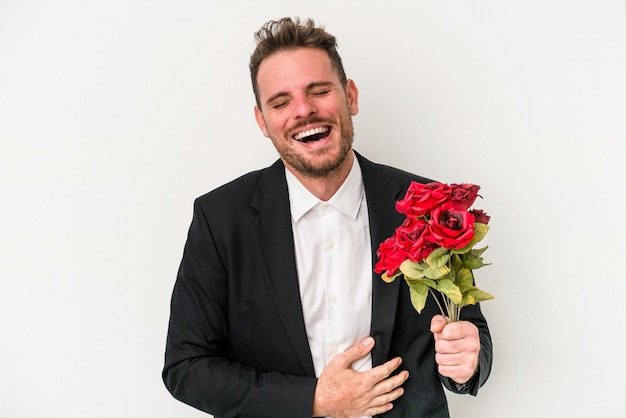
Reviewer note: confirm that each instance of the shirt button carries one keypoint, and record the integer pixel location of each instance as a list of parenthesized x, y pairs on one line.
[(333, 350), (333, 299), (330, 245)]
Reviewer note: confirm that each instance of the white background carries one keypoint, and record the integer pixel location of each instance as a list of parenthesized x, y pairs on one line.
[(115, 115)]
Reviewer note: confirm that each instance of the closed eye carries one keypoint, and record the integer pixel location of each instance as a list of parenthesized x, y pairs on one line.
[(321, 88), (279, 105), (320, 92)]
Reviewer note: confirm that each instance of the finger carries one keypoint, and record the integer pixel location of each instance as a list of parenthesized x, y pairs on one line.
[(467, 346), (460, 373), (443, 345), (388, 396), (378, 410), (390, 384), (383, 403), (357, 351), (437, 324), (459, 366), (448, 359), (383, 371), (460, 331)]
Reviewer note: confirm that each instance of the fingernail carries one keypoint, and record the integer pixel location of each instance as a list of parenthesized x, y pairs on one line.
[(368, 341)]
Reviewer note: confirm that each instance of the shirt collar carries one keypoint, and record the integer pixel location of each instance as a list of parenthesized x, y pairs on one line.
[(347, 199)]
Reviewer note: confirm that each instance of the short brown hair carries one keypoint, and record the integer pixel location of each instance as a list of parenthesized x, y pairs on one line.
[(288, 34)]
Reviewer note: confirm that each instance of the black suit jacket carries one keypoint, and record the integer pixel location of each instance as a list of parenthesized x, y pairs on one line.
[(237, 344)]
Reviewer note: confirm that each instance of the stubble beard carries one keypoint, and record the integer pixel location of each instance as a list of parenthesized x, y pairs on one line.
[(319, 168)]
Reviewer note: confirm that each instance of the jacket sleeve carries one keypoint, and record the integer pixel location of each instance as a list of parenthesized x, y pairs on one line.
[(198, 367)]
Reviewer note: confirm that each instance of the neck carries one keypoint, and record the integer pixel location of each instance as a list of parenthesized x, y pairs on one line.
[(325, 187)]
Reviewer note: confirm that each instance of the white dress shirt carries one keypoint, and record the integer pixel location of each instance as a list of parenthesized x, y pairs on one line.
[(334, 264)]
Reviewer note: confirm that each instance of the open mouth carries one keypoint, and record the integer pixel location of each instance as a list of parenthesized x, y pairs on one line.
[(312, 135)]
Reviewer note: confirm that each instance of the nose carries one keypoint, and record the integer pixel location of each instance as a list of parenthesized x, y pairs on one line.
[(304, 107)]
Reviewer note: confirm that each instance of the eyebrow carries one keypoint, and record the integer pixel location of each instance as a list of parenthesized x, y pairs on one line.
[(309, 87)]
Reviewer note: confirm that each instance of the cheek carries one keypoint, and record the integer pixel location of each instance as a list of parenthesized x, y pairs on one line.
[(276, 125)]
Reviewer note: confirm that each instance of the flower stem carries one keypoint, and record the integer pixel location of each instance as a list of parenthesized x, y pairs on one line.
[(453, 309), (437, 300)]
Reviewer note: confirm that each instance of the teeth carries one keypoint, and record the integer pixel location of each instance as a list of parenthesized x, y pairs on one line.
[(310, 132)]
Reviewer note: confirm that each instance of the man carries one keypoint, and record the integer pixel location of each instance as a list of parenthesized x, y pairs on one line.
[(276, 311)]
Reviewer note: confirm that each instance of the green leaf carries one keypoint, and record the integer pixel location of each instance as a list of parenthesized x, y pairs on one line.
[(436, 273), (457, 261), (439, 257), (465, 278), (390, 279), (463, 250), (412, 269), (449, 289), (480, 231), (475, 263), (475, 296), (477, 252), (418, 291), (420, 282)]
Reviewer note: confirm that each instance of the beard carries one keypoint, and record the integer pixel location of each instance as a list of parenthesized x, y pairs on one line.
[(321, 163)]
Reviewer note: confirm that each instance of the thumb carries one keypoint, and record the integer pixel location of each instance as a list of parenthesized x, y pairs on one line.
[(358, 350), (437, 324)]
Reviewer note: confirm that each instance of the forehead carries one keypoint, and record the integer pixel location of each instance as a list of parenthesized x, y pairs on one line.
[(289, 70)]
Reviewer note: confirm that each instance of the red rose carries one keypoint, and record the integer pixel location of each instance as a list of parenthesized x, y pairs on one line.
[(390, 256), (463, 195), (413, 235), (452, 228), (480, 216), (421, 199)]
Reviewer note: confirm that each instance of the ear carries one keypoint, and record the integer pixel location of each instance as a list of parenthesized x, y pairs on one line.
[(260, 120), (352, 93)]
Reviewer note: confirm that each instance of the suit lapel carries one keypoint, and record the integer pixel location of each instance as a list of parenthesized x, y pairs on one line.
[(273, 236), (381, 191)]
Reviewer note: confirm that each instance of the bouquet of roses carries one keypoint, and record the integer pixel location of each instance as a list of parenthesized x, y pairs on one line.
[(434, 246)]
